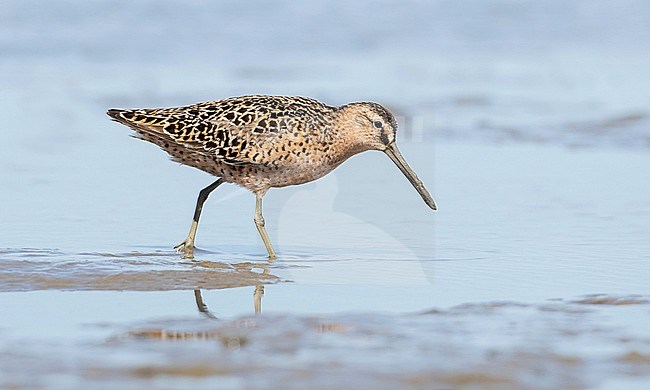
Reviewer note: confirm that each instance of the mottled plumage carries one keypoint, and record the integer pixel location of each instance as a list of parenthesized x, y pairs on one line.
[(261, 142)]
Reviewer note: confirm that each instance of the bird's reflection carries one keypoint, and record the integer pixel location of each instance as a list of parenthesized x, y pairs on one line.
[(203, 308), (257, 294), (243, 274)]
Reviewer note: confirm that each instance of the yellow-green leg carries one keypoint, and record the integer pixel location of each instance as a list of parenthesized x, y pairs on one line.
[(187, 246), (259, 222)]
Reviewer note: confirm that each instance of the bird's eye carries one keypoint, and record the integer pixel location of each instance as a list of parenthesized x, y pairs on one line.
[(378, 124)]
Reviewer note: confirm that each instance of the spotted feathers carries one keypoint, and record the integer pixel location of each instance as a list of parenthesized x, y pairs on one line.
[(260, 141)]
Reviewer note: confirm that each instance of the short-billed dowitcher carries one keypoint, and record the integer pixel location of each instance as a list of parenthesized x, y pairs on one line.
[(261, 142)]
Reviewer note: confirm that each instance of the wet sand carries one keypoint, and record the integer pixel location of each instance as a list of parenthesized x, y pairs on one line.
[(159, 339)]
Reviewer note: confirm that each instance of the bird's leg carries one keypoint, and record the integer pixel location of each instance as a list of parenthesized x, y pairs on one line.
[(187, 246), (259, 222)]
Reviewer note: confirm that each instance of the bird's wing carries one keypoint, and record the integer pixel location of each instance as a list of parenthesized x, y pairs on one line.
[(231, 129)]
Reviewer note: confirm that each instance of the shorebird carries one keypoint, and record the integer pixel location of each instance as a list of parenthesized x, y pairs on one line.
[(263, 142)]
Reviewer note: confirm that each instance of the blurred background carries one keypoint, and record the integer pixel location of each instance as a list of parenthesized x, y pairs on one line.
[(573, 72), (529, 122)]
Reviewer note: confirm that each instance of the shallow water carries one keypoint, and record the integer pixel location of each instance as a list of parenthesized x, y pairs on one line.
[(494, 290), (533, 273)]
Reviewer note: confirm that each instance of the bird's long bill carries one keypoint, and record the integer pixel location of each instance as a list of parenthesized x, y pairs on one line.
[(397, 158)]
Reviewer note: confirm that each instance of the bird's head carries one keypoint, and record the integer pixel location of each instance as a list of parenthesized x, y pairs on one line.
[(372, 127)]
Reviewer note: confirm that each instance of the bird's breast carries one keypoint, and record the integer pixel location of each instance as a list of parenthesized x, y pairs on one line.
[(290, 162)]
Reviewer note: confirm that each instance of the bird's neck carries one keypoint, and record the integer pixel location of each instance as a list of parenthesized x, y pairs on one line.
[(345, 140)]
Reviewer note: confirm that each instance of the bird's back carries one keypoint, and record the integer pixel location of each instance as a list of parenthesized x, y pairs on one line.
[(243, 139)]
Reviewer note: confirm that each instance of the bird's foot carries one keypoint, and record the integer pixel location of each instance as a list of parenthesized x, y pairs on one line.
[(186, 247)]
